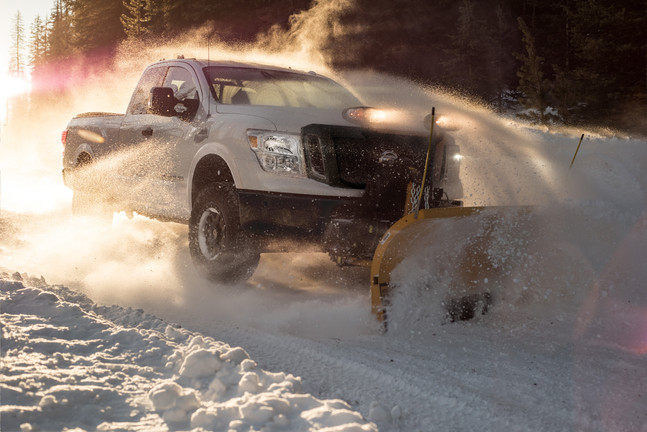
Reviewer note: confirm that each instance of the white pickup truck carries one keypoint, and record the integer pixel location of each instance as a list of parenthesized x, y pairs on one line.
[(254, 158)]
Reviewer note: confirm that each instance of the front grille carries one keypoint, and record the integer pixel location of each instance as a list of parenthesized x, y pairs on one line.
[(313, 150), (349, 157), (358, 159)]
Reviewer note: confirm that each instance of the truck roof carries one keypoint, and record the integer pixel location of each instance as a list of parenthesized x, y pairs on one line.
[(231, 63)]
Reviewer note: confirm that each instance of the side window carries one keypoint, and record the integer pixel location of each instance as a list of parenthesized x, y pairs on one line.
[(151, 78), (182, 83)]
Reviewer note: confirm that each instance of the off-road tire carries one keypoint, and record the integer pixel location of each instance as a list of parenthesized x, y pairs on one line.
[(219, 249)]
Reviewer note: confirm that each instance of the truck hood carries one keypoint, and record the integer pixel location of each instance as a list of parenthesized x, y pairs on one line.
[(292, 119)]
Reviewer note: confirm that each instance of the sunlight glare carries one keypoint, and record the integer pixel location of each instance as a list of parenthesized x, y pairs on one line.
[(13, 86)]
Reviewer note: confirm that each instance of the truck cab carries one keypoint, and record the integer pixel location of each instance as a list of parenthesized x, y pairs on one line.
[(251, 156)]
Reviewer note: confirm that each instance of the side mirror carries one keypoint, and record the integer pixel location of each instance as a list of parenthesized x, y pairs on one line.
[(161, 101)]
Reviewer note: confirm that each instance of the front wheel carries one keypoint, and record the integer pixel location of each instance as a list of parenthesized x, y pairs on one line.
[(220, 251)]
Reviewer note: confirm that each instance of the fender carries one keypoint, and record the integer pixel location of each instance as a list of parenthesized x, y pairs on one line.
[(230, 128), (211, 149), (82, 148), (72, 163)]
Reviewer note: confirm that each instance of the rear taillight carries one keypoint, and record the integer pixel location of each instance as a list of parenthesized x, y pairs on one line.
[(64, 137)]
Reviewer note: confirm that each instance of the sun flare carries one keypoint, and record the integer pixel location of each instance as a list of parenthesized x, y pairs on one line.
[(13, 86)]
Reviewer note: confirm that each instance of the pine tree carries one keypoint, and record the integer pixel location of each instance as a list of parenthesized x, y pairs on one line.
[(502, 62), (59, 44), (137, 21), (470, 52), (532, 84), (97, 25), (607, 55), (161, 16), (37, 42), (17, 56), (460, 62), (17, 105)]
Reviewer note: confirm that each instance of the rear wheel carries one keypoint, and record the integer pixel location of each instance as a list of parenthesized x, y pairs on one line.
[(220, 251)]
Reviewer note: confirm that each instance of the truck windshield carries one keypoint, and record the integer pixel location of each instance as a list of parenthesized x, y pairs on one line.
[(250, 86)]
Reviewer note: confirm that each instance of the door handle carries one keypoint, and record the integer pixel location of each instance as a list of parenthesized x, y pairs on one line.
[(148, 132)]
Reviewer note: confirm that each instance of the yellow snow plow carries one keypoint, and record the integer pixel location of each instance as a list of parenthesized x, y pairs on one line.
[(470, 251), (427, 236), (473, 265)]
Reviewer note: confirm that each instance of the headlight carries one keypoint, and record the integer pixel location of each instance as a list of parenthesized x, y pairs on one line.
[(445, 122), (277, 152), (367, 115)]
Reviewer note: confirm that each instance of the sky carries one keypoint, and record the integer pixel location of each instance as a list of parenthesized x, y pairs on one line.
[(28, 9)]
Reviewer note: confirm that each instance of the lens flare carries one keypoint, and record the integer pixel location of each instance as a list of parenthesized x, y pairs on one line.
[(13, 86), (373, 116), (448, 123), (90, 136)]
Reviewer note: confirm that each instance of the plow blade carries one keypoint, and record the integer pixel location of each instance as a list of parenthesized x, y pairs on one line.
[(472, 261)]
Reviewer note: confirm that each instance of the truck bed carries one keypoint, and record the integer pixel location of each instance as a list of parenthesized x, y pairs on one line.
[(97, 114)]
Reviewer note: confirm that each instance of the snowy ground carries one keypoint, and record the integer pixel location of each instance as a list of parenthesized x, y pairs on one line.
[(70, 363), (108, 327)]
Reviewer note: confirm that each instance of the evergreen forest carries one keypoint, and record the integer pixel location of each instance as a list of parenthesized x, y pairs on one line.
[(573, 62)]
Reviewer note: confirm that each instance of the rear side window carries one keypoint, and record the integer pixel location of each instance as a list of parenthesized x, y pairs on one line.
[(151, 78)]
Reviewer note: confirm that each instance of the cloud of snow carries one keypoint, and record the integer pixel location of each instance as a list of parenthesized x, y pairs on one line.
[(574, 263), (547, 262), (30, 149), (145, 263)]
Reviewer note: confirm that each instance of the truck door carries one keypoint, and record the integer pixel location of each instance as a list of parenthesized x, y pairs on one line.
[(161, 144)]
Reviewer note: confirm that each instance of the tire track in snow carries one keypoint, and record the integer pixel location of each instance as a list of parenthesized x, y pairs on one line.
[(422, 395)]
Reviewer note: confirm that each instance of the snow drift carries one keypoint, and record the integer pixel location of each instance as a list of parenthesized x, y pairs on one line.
[(68, 363)]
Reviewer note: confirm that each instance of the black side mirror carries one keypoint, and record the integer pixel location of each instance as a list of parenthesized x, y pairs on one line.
[(162, 101)]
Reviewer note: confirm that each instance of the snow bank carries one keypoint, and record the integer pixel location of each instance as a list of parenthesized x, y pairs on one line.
[(68, 363)]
